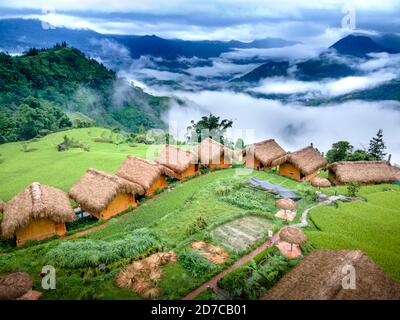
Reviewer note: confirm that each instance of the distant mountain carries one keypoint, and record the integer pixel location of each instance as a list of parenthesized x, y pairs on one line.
[(359, 46), (269, 69), (391, 41), (20, 34), (36, 88)]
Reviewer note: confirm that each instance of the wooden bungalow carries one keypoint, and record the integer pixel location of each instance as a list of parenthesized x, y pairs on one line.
[(36, 213), (150, 175), (363, 172), (105, 195), (213, 154), (319, 276), (183, 163), (302, 165), (263, 155)]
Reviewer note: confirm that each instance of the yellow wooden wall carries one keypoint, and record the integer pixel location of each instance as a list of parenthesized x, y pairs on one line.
[(159, 184), (288, 170), (220, 165), (120, 203), (39, 229), (189, 172)]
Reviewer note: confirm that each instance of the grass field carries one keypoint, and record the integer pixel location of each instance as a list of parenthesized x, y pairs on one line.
[(46, 165), (372, 226)]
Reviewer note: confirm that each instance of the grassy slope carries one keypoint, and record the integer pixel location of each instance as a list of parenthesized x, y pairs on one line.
[(372, 226), (60, 169)]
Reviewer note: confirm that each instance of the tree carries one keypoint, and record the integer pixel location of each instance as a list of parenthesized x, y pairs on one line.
[(377, 146), (239, 143), (359, 155), (339, 151), (208, 127)]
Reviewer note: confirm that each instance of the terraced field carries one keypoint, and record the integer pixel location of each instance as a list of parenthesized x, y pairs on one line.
[(239, 234)]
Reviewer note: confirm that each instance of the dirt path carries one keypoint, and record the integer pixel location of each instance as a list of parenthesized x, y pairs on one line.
[(212, 283)]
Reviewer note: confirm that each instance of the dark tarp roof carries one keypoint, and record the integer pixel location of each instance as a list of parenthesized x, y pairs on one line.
[(283, 192)]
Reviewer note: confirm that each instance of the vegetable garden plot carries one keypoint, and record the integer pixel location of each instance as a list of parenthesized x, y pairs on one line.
[(239, 234)]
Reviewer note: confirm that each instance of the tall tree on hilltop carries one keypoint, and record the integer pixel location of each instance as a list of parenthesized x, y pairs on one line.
[(208, 127), (377, 146)]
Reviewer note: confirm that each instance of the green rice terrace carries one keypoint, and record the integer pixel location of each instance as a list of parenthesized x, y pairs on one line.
[(186, 234)]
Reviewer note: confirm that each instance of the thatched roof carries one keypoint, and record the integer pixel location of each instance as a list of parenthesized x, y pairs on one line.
[(364, 172), (210, 151), (142, 171), (15, 285), (267, 152), (286, 204), (94, 190), (319, 277), (176, 159), (320, 182), (35, 202), (292, 235), (307, 160)]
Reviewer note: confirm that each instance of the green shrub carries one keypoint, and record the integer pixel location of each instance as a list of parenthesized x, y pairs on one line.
[(199, 224), (352, 189), (196, 264), (86, 253)]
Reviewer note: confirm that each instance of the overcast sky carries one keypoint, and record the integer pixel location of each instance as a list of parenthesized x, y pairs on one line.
[(316, 20)]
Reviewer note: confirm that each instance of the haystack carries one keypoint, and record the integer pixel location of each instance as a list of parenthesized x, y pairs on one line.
[(302, 165), (320, 274), (150, 175), (142, 276), (214, 254), (213, 154), (286, 204), (183, 163), (15, 285), (320, 182), (104, 195), (37, 212), (263, 155), (363, 172)]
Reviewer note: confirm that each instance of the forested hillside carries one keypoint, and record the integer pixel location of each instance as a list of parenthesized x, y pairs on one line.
[(39, 88)]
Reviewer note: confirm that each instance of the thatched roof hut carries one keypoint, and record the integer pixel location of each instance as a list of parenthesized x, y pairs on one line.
[(176, 159), (320, 274), (15, 285), (142, 172), (292, 235), (307, 162), (266, 152), (365, 172), (96, 189), (35, 202), (286, 204), (211, 152)]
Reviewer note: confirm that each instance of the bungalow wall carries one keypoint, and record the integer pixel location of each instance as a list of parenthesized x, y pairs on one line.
[(289, 170), (120, 203), (220, 165), (332, 178), (252, 162), (189, 172), (159, 184), (40, 229)]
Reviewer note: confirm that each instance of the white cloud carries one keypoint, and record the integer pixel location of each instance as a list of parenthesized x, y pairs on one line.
[(221, 68), (293, 125)]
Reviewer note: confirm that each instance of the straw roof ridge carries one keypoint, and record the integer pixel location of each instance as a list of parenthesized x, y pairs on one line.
[(141, 171), (307, 160), (319, 277), (268, 152), (210, 151), (35, 202), (364, 171), (176, 158), (95, 189)]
